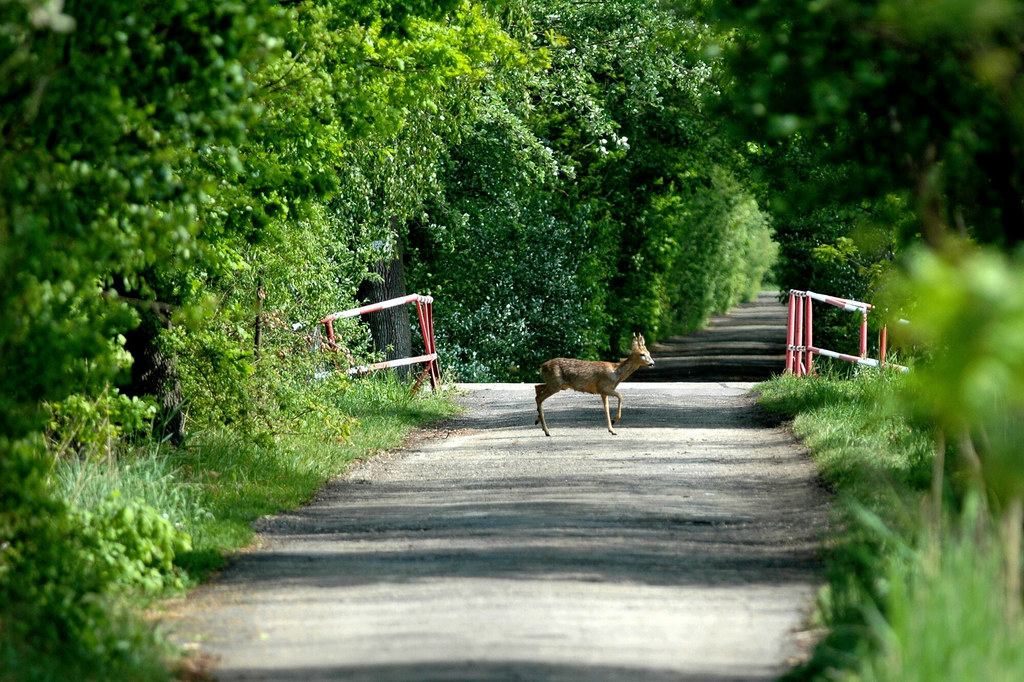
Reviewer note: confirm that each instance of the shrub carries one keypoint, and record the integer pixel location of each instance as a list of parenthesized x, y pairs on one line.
[(60, 572)]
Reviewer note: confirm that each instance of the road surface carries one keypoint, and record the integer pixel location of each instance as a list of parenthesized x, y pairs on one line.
[(748, 343), (685, 548)]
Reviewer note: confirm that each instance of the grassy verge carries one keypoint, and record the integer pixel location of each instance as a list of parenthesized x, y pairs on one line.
[(218, 484), (913, 593), (242, 480)]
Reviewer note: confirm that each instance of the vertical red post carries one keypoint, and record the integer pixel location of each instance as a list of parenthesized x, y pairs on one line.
[(809, 336), (425, 312), (790, 328), (882, 334), (800, 303), (435, 365), (330, 330), (864, 335)]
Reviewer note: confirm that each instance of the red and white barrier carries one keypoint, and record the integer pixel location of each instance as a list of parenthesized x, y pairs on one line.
[(800, 348), (425, 311)]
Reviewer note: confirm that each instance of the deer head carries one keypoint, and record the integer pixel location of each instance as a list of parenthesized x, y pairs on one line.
[(640, 351)]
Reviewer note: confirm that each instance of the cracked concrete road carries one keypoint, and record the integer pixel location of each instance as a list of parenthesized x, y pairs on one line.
[(685, 548)]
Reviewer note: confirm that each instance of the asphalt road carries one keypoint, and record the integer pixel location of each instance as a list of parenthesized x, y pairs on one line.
[(685, 548), (748, 343)]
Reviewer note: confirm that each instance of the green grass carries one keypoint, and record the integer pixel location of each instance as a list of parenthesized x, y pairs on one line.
[(906, 599), (213, 488), (863, 445), (944, 617), (216, 486)]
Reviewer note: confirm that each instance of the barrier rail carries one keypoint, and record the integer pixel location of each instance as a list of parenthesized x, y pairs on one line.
[(800, 348), (425, 312)]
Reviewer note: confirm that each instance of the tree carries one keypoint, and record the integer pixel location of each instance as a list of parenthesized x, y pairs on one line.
[(913, 99), (104, 109), (389, 327), (577, 196)]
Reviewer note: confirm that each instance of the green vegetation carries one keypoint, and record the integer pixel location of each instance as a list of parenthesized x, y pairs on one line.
[(918, 207), (157, 519), (917, 589), (187, 186)]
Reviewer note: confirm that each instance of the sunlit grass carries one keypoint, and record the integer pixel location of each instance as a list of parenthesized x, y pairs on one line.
[(221, 481), (905, 600), (863, 445)]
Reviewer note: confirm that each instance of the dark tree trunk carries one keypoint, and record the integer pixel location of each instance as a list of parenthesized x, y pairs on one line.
[(154, 373), (389, 328)]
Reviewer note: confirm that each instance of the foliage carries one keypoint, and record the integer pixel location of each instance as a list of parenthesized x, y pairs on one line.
[(61, 574), (215, 489), (881, 122), (827, 243), (65, 568), (587, 200), (968, 311), (92, 426), (942, 613), (861, 79), (103, 111), (180, 161), (845, 97), (909, 596), (134, 545)]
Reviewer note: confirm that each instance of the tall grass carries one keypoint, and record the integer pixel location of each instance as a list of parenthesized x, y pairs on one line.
[(221, 481), (942, 616), (907, 599), (150, 475)]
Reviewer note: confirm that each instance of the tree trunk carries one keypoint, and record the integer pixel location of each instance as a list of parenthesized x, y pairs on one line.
[(389, 328), (928, 194), (156, 374)]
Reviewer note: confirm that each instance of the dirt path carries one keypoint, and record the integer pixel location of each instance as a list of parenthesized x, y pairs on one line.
[(682, 549), (746, 344)]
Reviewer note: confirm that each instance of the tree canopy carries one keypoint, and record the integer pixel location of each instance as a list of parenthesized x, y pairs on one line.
[(187, 186)]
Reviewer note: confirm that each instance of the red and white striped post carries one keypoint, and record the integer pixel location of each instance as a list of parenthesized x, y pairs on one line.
[(795, 333), (790, 332), (864, 334), (799, 332), (882, 338), (808, 336), (425, 313)]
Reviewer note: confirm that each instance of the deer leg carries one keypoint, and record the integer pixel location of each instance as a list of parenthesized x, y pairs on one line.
[(618, 415), (607, 416), (543, 393)]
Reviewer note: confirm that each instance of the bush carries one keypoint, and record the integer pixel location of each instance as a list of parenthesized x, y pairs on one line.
[(61, 572)]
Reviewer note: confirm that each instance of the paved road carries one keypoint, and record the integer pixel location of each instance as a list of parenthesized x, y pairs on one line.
[(746, 344), (682, 549)]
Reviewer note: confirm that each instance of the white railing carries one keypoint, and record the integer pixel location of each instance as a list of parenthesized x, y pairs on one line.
[(425, 311)]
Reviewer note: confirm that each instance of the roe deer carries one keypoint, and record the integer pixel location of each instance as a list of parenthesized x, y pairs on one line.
[(590, 377)]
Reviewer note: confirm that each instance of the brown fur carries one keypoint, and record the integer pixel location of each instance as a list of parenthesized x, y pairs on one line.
[(589, 376)]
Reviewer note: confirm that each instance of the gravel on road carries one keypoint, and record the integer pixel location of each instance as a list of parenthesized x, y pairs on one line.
[(685, 548)]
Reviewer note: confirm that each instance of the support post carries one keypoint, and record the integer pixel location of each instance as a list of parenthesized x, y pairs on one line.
[(882, 334), (809, 336), (801, 302), (864, 334), (790, 328)]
